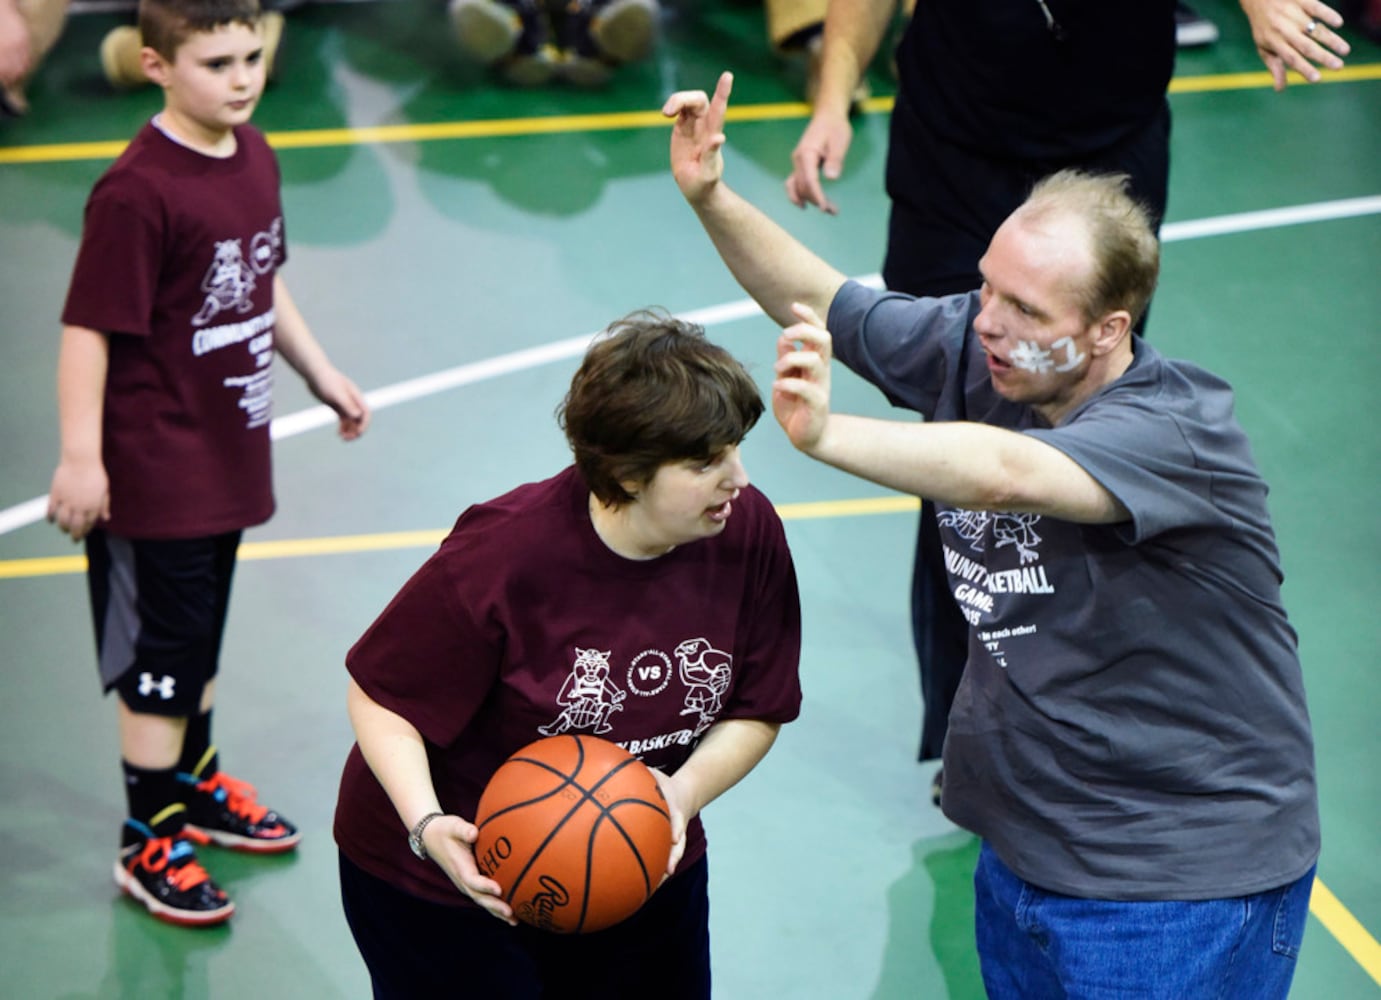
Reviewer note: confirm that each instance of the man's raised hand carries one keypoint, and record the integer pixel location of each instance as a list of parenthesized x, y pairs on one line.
[(801, 389), (697, 137)]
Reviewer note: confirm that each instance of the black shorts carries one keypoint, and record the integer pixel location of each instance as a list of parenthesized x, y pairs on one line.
[(159, 608), (416, 948)]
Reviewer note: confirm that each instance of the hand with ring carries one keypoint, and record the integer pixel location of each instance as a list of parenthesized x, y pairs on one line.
[(1296, 35)]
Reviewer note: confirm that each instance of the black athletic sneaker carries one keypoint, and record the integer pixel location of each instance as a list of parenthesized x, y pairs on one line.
[(163, 874), (227, 812)]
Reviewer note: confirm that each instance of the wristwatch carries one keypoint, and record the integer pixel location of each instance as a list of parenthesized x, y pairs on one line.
[(415, 834)]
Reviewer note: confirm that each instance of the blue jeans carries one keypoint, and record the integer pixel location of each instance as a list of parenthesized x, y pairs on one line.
[(1038, 945)]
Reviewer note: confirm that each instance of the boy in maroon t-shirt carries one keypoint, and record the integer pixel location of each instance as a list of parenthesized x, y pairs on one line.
[(173, 318)]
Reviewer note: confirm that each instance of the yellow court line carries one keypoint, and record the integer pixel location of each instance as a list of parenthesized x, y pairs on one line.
[(1347, 929), (612, 121), (289, 548), (11, 569), (847, 508), (1261, 79), (1325, 906)]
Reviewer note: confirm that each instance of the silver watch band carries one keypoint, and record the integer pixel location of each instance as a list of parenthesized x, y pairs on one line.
[(415, 834)]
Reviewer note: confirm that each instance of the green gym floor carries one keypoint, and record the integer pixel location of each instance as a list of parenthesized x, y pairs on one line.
[(454, 242)]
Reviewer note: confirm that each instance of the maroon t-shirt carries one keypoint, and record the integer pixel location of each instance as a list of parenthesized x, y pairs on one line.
[(524, 624), (176, 265)]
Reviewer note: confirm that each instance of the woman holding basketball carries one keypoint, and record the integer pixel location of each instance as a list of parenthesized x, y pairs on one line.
[(645, 595)]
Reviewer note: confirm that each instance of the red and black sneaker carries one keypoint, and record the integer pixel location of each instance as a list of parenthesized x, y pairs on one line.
[(227, 813), (163, 874)]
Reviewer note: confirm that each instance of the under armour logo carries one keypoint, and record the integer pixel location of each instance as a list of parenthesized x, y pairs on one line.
[(164, 686)]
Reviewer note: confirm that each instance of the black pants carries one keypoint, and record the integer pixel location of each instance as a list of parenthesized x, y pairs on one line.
[(418, 949), (946, 204)]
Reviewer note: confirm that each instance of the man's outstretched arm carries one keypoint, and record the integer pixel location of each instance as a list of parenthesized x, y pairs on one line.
[(770, 264), (969, 465)]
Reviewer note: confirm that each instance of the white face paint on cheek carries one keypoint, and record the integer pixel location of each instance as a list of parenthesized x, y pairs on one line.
[(1073, 358), (1032, 357)]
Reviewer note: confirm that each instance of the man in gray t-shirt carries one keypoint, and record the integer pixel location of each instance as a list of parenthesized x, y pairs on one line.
[(1130, 738)]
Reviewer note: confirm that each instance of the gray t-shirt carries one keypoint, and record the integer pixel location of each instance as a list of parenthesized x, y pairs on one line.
[(1131, 723)]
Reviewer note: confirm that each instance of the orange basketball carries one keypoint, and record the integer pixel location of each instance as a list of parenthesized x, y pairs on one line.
[(576, 832)]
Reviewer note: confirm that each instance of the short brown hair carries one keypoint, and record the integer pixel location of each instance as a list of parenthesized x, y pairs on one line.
[(165, 24), (652, 390), (1122, 239)]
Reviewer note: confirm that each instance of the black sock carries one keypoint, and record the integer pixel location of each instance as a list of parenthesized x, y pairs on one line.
[(154, 798), (199, 756)]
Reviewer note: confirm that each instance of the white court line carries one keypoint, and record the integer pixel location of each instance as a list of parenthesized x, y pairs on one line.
[(24, 514), (478, 371), (1270, 218)]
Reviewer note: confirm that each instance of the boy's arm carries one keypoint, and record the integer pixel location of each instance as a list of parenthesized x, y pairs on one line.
[(80, 494), (767, 261), (293, 339)]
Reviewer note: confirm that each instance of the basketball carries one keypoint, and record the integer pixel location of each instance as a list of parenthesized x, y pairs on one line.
[(576, 832)]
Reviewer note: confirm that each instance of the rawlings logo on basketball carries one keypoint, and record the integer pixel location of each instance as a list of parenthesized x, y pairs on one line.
[(575, 831), (540, 910)]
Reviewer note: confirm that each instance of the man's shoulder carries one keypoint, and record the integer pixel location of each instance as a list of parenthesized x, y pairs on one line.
[(1161, 408), (1168, 385), (868, 301)]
